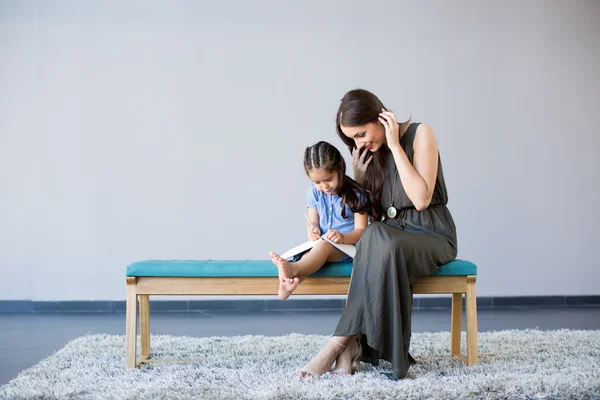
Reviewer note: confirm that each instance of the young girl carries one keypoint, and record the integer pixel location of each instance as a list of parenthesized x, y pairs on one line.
[(336, 205)]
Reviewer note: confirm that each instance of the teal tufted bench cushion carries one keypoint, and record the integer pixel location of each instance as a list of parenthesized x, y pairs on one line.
[(259, 268)]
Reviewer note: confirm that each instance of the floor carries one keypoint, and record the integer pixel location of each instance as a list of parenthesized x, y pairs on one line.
[(25, 339)]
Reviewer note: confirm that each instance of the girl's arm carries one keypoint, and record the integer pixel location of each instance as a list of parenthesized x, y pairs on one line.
[(313, 216), (418, 180)]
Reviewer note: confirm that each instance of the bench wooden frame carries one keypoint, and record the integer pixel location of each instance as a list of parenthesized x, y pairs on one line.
[(140, 289)]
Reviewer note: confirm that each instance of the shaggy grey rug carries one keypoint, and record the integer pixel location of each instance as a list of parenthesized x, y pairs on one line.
[(513, 365)]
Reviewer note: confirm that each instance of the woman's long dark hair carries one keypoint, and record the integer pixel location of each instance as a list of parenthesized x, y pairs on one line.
[(360, 107), (325, 156)]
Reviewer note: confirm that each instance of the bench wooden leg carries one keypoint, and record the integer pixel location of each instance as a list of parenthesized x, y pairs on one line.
[(456, 324), (471, 308), (131, 323), (145, 325)]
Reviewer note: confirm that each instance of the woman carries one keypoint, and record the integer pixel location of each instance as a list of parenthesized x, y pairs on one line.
[(411, 235)]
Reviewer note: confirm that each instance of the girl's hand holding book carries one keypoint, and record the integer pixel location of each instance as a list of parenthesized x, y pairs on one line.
[(335, 236)]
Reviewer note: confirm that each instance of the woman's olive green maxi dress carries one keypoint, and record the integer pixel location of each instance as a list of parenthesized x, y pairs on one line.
[(391, 255)]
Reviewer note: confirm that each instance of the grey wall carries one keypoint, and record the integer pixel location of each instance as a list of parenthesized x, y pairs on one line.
[(137, 130)]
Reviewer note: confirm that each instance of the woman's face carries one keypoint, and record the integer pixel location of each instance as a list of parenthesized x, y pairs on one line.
[(371, 135)]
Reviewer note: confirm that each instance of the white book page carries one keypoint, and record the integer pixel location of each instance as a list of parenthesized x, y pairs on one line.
[(299, 249)]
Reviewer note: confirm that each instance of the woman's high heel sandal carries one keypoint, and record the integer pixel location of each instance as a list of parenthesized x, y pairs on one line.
[(320, 361), (355, 363)]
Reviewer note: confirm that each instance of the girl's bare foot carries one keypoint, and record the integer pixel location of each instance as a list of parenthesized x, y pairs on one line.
[(284, 266), (324, 359), (287, 286)]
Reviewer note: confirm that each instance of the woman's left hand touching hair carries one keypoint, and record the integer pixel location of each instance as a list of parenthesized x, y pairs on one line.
[(392, 129)]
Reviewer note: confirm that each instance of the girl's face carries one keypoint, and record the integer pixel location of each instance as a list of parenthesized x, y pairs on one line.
[(326, 182), (371, 135)]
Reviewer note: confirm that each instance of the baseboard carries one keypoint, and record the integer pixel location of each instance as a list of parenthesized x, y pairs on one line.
[(419, 303)]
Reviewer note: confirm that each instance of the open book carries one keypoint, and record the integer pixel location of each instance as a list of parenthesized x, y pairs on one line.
[(348, 249)]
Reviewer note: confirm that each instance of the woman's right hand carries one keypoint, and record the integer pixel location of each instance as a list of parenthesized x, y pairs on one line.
[(314, 234), (359, 165)]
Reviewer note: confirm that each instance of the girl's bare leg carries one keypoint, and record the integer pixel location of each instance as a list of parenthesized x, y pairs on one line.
[(311, 262), (291, 274)]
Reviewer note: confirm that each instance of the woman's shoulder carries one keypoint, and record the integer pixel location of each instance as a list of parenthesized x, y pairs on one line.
[(424, 136), (421, 129)]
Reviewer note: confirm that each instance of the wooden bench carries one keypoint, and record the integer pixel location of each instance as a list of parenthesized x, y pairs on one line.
[(211, 277)]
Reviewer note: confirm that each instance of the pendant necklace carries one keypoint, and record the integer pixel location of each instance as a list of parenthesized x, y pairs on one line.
[(391, 211)]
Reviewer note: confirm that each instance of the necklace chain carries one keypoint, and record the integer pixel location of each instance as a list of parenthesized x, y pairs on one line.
[(393, 189), (391, 211)]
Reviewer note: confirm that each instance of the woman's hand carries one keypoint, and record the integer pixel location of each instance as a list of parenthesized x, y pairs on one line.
[(388, 120), (359, 165), (335, 236), (314, 234)]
